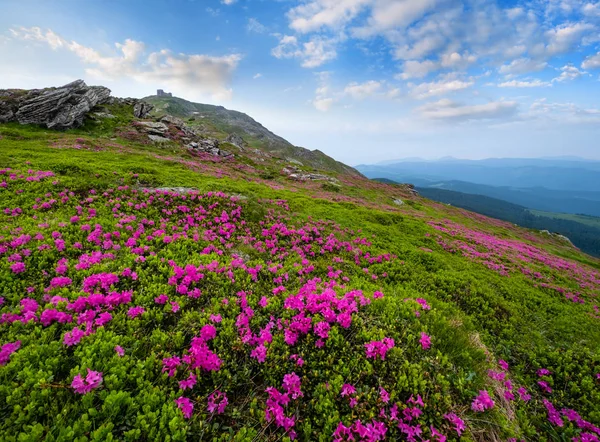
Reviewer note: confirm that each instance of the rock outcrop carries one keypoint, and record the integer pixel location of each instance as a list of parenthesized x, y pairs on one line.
[(141, 109), (56, 108), (297, 174), (236, 140)]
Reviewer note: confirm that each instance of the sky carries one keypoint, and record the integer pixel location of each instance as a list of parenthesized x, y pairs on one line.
[(361, 80)]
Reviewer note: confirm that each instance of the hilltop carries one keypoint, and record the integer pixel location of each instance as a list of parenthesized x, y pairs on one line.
[(164, 281), (218, 122)]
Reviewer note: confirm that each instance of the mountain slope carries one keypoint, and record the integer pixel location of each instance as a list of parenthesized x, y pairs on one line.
[(218, 122), (155, 292)]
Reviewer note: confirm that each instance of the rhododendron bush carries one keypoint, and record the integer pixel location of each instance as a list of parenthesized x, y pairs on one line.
[(136, 313)]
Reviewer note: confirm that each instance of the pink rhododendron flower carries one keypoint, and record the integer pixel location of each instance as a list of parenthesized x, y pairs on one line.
[(543, 372), (91, 382), (482, 402), (384, 395), (523, 394), (175, 307), (545, 386), (347, 390), (553, 414), (322, 329), (17, 267), (7, 349), (208, 332), (186, 406), (161, 299), (459, 424), (120, 350), (375, 349), (189, 382), (216, 319), (259, 353), (217, 402), (134, 312), (73, 337), (502, 363), (425, 341)]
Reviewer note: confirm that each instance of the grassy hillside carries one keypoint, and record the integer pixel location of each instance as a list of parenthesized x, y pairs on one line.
[(247, 306)]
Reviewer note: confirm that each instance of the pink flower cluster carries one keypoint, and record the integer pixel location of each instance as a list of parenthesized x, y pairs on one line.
[(91, 382), (375, 349), (277, 401), (8, 349)]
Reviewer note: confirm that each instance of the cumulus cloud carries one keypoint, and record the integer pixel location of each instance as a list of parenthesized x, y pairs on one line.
[(317, 14), (255, 26), (362, 90), (569, 72), (313, 53), (525, 83), (522, 66), (443, 86), (202, 74), (591, 62), (564, 36), (417, 69), (451, 111)]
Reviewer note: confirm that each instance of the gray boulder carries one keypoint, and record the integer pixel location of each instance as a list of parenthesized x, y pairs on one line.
[(56, 108), (141, 109)]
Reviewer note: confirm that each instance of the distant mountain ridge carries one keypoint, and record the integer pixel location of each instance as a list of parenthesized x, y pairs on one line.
[(219, 121), (513, 172)]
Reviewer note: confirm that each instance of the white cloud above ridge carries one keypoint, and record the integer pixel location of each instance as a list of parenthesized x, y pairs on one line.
[(448, 110), (202, 75)]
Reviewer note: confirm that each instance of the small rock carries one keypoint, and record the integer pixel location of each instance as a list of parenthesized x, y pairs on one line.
[(398, 202), (158, 139), (141, 109)]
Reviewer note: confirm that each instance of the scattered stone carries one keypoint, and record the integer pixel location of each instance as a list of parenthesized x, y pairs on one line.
[(294, 173), (158, 139), (56, 108), (398, 202), (153, 127)]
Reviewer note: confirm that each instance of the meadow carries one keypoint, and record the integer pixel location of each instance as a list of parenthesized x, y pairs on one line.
[(158, 294)]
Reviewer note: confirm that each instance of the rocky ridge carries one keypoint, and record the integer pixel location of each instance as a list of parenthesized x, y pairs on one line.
[(56, 108)]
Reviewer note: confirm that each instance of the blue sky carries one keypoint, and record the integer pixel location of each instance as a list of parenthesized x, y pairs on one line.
[(361, 80)]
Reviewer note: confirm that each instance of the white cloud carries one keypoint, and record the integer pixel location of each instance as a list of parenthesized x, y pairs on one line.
[(525, 83), (569, 72), (591, 62), (564, 36), (228, 2), (592, 9), (390, 14), (447, 84), (323, 104), (455, 60), (417, 69), (522, 66), (313, 53), (569, 113), (317, 14), (363, 90), (255, 26), (200, 74), (449, 110), (257, 76)]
